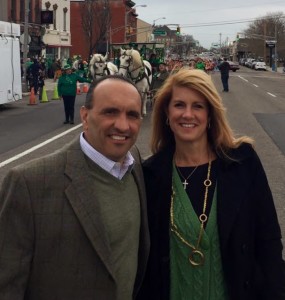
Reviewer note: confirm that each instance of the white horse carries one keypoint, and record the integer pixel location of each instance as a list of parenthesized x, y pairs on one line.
[(99, 66), (138, 70)]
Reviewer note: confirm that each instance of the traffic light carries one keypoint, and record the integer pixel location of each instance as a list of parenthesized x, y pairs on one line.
[(178, 30)]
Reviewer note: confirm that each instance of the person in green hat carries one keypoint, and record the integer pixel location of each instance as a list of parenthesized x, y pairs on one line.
[(67, 87)]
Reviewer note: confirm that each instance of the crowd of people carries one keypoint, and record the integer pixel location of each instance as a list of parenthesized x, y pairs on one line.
[(40, 68)]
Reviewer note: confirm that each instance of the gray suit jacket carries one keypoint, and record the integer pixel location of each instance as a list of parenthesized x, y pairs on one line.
[(53, 244)]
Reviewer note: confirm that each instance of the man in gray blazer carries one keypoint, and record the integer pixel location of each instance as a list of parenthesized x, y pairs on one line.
[(73, 224)]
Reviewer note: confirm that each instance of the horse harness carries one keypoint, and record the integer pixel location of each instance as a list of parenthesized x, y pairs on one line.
[(142, 74), (104, 69)]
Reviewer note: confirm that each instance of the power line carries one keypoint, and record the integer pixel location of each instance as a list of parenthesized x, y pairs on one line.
[(229, 22)]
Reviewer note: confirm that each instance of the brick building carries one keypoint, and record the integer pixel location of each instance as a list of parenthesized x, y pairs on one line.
[(122, 28), (50, 40)]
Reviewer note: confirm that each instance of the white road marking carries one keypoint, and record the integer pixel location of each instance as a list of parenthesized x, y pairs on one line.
[(6, 162), (256, 86), (271, 95), (243, 78)]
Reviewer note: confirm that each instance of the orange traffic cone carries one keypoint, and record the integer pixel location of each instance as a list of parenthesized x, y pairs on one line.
[(78, 91), (85, 88), (32, 97)]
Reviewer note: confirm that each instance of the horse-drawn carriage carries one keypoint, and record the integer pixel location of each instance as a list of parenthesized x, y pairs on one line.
[(129, 60), (146, 50)]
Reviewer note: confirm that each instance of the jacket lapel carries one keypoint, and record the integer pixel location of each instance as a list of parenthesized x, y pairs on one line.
[(83, 201), (144, 234)]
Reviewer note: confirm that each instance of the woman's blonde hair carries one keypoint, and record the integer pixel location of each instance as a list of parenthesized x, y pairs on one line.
[(220, 135)]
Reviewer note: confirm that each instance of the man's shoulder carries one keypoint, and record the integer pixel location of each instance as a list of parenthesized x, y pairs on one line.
[(52, 162)]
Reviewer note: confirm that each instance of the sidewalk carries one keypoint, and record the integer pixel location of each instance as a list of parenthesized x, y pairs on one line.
[(49, 85), (279, 70)]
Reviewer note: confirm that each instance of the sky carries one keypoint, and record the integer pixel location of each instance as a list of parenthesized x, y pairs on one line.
[(193, 15)]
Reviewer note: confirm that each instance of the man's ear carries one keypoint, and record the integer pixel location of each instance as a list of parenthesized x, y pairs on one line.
[(83, 116)]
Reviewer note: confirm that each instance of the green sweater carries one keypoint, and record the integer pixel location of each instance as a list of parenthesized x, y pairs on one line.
[(120, 212), (67, 84), (204, 282)]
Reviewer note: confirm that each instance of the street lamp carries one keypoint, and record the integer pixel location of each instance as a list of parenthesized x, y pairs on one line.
[(153, 24), (126, 17)]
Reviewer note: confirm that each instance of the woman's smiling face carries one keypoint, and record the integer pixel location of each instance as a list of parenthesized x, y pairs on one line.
[(188, 114)]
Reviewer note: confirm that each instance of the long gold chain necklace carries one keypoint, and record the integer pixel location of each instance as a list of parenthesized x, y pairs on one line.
[(185, 183), (196, 257)]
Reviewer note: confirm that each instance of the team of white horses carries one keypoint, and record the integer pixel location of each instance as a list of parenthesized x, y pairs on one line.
[(131, 66)]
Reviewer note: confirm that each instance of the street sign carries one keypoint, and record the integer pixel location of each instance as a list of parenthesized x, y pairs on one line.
[(270, 44), (159, 32)]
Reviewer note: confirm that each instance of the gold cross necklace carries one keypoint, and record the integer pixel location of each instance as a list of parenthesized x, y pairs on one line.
[(185, 182), (196, 256)]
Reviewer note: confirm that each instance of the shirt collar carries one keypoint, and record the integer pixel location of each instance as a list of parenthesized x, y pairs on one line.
[(114, 168)]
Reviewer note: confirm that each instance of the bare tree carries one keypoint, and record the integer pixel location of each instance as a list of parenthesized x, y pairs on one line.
[(265, 26), (96, 20)]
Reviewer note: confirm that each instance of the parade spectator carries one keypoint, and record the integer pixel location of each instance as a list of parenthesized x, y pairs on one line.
[(224, 68), (69, 61), (67, 89), (34, 71), (49, 64), (209, 66), (56, 67), (43, 67), (213, 225), (29, 76), (191, 65), (154, 61), (29, 62), (200, 65), (159, 77), (41, 84), (117, 60), (73, 224)]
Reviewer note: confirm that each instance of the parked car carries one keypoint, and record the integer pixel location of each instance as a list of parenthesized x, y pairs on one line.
[(254, 63), (250, 63), (233, 65), (242, 61), (260, 65)]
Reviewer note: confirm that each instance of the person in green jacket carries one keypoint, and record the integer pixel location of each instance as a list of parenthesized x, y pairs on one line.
[(67, 87), (200, 65)]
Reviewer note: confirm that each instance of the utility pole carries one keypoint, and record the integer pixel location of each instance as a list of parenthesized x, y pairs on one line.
[(25, 46), (264, 37), (220, 44), (275, 53)]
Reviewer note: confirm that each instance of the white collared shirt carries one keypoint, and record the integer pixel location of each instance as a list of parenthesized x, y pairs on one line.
[(116, 169)]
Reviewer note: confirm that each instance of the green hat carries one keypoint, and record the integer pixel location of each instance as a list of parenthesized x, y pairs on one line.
[(67, 67)]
